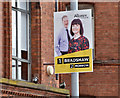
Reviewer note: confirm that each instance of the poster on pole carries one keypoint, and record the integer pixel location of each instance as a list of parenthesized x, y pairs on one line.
[(73, 41)]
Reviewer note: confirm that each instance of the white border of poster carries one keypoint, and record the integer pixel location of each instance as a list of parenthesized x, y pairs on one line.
[(86, 18)]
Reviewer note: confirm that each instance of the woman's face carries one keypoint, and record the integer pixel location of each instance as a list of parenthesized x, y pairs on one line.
[(76, 28)]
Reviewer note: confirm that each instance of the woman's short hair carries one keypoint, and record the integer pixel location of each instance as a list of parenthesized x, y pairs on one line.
[(77, 21)]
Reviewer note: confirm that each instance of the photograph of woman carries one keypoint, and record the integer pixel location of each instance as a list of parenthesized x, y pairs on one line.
[(78, 42)]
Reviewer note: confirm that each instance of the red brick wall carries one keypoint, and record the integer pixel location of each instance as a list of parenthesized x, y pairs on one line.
[(104, 80), (67, 79), (106, 31), (42, 35), (6, 40), (47, 42), (119, 48), (36, 40), (22, 92), (1, 40)]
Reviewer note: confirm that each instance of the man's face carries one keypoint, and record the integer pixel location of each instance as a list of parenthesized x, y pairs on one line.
[(65, 22)]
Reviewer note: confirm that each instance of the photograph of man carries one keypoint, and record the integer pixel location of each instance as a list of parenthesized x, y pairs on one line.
[(62, 40), (78, 42)]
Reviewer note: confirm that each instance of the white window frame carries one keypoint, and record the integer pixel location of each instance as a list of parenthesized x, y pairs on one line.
[(17, 75)]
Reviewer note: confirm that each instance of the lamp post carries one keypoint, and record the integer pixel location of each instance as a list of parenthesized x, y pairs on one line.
[(74, 76)]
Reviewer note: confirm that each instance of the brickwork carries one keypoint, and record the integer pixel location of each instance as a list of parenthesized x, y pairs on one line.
[(42, 41), (36, 40), (119, 31), (106, 31), (102, 82), (1, 40), (18, 91), (6, 39), (67, 79), (26, 89), (119, 48), (47, 42)]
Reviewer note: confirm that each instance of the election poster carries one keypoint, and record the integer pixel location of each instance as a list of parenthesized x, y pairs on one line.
[(73, 41)]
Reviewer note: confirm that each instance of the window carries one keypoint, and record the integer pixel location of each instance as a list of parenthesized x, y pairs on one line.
[(82, 6), (21, 61)]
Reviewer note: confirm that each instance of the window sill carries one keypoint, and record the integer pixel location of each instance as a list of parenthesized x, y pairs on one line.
[(34, 86)]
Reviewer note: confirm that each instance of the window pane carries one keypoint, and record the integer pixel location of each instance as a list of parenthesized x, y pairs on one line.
[(20, 40), (86, 6), (19, 70), (13, 69), (13, 3), (23, 31), (22, 36), (27, 4), (23, 5), (68, 8), (24, 54), (13, 33), (23, 71), (28, 36)]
